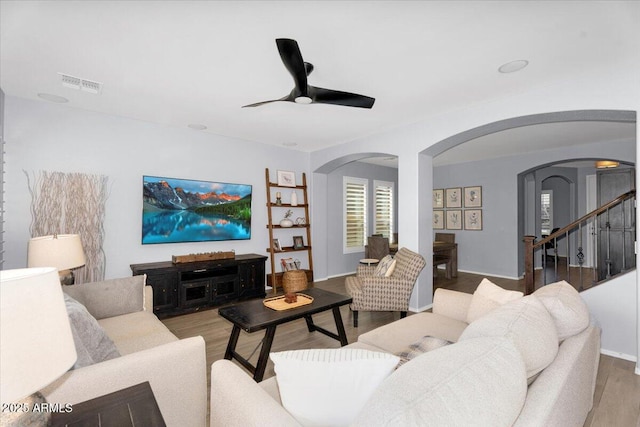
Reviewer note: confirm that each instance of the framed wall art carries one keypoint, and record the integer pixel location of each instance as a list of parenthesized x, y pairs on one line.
[(473, 219), (438, 220), (453, 197), (473, 197), (298, 243), (286, 179), (438, 198), (454, 219)]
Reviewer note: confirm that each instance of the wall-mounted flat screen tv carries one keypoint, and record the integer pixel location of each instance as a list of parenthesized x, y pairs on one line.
[(184, 210)]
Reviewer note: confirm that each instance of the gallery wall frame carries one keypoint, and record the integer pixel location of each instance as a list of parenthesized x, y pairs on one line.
[(454, 219), (438, 219), (473, 197), (473, 219), (438, 198), (453, 197)]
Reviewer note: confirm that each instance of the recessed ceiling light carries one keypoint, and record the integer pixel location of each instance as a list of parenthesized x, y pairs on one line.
[(53, 98), (513, 66), (303, 100), (289, 144), (197, 126)]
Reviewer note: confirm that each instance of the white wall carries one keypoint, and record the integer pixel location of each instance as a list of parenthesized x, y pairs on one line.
[(613, 306), (45, 136)]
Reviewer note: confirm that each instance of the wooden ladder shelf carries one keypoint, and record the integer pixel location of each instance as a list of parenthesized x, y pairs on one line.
[(275, 278)]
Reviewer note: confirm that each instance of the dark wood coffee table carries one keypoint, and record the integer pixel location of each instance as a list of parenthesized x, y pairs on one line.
[(252, 316)]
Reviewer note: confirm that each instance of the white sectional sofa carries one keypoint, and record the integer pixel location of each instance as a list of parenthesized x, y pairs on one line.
[(148, 351), (521, 361)]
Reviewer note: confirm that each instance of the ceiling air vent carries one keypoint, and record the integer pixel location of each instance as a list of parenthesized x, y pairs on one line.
[(81, 84)]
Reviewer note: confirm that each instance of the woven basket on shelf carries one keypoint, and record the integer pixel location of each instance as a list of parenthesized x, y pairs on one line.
[(294, 281)]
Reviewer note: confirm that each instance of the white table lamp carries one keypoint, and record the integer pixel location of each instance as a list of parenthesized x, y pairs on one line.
[(36, 345), (62, 251)]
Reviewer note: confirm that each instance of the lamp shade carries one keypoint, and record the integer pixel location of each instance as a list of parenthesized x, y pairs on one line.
[(62, 251), (36, 345)]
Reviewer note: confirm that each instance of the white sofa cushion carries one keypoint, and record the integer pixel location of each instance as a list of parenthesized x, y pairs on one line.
[(394, 337), (528, 324), (488, 297), (92, 343), (112, 297), (569, 312), (137, 331), (328, 387), (478, 382)]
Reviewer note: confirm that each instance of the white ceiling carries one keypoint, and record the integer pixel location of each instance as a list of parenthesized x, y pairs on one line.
[(185, 62)]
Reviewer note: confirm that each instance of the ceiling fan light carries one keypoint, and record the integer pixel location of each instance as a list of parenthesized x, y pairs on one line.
[(303, 100), (606, 164)]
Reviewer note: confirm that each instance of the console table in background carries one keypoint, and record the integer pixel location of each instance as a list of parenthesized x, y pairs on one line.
[(187, 287)]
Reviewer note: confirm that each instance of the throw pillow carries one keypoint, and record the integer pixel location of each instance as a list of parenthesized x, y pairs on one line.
[(115, 296), (477, 382), (385, 266), (488, 297), (91, 341), (328, 387), (425, 344), (528, 324), (569, 312)]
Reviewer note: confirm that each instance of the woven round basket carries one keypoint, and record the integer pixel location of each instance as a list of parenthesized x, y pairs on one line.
[(294, 281)]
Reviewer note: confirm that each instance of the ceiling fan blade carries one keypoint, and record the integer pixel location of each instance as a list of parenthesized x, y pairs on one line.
[(292, 59), (284, 98), (336, 97)]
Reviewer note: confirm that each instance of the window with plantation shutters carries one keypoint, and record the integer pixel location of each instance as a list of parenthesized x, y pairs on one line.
[(355, 214), (383, 205), (546, 214)]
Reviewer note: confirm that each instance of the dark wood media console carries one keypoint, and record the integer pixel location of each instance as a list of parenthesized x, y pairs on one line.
[(187, 287)]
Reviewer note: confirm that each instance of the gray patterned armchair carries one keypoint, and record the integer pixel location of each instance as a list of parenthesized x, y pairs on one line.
[(379, 293)]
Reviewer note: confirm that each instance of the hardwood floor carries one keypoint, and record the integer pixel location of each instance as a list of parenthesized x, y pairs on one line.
[(617, 395)]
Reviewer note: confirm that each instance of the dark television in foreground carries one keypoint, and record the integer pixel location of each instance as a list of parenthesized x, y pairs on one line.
[(184, 210)]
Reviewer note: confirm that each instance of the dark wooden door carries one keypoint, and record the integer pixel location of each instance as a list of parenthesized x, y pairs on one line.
[(616, 227)]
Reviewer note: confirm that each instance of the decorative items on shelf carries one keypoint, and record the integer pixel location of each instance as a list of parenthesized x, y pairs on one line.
[(286, 179), (290, 264), (286, 222), (205, 256), (281, 195), (298, 242)]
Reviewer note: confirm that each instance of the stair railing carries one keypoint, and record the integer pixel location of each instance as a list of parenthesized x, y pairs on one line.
[(531, 246)]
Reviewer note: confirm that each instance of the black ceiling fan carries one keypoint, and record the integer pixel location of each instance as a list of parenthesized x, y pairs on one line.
[(304, 93)]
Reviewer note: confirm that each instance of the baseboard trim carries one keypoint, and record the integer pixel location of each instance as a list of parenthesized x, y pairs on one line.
[(619, 355), (333, 276), (480, 273), (421, 309)]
